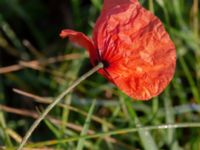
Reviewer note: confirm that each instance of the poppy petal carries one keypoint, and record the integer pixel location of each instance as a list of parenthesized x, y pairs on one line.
[(82, 40), (108, 4), (140, 55)]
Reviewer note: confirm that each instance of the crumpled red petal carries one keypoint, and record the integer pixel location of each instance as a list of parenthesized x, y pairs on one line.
[(109, 4), (82, 40), (140, 53)]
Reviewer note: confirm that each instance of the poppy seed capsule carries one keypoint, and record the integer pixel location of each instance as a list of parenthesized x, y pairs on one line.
[(138, 55)]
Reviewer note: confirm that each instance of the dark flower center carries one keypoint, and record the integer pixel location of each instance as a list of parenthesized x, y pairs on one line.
[(105, 63)]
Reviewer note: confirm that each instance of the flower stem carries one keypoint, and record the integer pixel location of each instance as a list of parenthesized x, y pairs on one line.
[(118, 132), (55, 102)]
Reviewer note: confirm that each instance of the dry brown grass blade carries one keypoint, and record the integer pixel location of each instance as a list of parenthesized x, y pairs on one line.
[(43, 100), (35, 115), (14, 135), (70, 125), (36, 64), (4, 148), (55, 121), (78, 128)]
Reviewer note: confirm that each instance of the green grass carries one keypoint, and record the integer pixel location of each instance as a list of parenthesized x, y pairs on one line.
[(29, 31)]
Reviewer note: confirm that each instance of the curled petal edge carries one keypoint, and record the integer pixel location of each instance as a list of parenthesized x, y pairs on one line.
[(82, 40)]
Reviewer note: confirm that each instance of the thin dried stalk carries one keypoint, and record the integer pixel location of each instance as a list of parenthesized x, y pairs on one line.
[(36, 64)]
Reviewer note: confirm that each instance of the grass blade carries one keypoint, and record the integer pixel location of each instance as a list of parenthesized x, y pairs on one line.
[(151, 6), (170, 119), (190, 79), (119, 132), (145, 136), (55, 102), (86, 126), (97, 4)]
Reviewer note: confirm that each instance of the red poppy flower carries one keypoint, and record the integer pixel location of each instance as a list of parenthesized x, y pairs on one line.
[(138, 54)]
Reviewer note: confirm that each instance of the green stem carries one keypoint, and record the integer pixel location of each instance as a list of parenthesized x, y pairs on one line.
[(56, 101), (118, 132)]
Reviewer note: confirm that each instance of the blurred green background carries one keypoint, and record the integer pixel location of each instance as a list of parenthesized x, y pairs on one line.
[(39, 65)]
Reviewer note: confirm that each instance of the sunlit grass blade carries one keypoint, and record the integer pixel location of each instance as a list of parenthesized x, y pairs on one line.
[(170, 119), (119, 132), (3, 125), (145, 136), (86, 125), (75, 68), (55, 131), (5, 139)]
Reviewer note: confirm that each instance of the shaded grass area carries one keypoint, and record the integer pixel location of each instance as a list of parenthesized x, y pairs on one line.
[(36, 62)]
